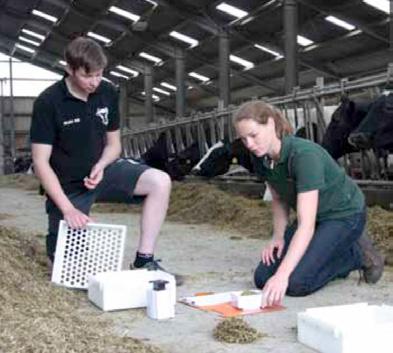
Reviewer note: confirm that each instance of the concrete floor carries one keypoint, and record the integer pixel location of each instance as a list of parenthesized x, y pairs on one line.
[(212, 260)]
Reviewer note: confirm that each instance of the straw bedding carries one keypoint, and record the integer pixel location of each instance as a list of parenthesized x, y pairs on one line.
[(37, 317)]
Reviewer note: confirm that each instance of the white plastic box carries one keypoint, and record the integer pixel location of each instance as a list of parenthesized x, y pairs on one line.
[(354, 328), (247, 302), (126, 289)]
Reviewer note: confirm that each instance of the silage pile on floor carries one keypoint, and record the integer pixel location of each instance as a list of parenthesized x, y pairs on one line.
[(205, 203), (235, 330), (380, 227), (197, 203), (20, 181), (37, 317)]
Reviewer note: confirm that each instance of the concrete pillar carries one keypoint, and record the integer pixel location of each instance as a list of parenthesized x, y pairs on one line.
[(180, 83), (290, 44), (2, 170), (224, 70), (390, 65), (123, 105), (149, 116)]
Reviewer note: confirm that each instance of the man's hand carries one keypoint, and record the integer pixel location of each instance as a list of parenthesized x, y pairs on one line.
[(95, 177), (267, 254), (76, 219)]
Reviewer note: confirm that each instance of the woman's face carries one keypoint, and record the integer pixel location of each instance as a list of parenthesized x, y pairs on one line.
[(257, 138)]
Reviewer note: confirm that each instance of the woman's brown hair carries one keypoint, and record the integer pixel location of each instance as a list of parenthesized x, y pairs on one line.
[(260, 112)]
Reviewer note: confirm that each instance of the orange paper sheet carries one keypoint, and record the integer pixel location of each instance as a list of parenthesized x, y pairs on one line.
[(221, 305), (227, 310)]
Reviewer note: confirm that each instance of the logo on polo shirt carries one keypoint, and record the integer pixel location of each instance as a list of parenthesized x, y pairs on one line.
[(103, 114), (71, 121)]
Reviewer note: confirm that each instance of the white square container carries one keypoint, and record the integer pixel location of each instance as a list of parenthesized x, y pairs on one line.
[(354, 328), (126, 289), (246, 302)]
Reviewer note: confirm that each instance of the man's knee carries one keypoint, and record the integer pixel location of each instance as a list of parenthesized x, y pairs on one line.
[(158, 180)]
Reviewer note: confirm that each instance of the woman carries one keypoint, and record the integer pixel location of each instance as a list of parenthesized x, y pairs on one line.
[(327, 239)]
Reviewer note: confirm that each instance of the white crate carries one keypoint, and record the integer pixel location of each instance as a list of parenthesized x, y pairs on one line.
[(354, 328), (84, 252), (247, 302), (126, 289)]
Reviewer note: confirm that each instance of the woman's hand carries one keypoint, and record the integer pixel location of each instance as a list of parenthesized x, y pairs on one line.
[(269, 251), (274, 290)]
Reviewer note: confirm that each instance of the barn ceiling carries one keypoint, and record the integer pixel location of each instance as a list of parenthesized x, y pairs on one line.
[(335, 53)]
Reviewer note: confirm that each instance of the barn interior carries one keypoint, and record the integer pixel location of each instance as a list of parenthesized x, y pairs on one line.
[(182, 69)]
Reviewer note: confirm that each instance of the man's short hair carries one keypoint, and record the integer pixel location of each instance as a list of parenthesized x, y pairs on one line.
[(85, 53)]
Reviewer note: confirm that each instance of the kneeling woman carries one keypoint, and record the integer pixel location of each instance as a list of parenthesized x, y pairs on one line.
[(327, 240)]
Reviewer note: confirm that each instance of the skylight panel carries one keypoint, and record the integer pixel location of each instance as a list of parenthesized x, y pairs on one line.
[(134, 73), (270, 51), (243, 62), (150, 57), (199, 77), (99, 37), (168, 85), (157, 89), (27, 40), (154, 96), (45, 16), (118, 74), (231, 10), (129, 15), (33, 34), (24, 48), (187, 39), (382, 5), (303, 41), (340, 23)]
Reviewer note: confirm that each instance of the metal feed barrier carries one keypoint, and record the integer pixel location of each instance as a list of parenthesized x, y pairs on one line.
[(304, 107)]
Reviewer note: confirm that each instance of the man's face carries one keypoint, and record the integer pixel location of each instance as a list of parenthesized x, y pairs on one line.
[(86, 82)]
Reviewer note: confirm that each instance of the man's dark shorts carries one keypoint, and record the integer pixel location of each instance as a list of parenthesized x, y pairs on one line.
[(117, 185)]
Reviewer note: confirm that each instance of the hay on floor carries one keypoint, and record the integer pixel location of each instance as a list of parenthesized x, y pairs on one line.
[(38, 317), (197, 203), (20, 181), (235, 330)]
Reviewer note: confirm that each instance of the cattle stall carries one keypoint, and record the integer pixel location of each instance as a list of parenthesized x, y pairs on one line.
[(358, 112)]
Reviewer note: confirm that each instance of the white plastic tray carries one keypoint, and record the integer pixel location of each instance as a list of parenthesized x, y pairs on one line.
[(353, 328), (81, 253)]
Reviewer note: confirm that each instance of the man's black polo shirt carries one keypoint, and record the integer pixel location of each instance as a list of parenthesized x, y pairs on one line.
[(75, 129)]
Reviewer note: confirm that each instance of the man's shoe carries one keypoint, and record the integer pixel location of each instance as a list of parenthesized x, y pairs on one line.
[(373, 261), (154, 266)]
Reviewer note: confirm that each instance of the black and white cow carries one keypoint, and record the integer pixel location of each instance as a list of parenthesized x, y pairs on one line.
[(345, 119), (219, 158), (376, 129)]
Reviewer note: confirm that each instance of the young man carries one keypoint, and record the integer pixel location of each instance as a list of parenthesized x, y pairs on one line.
[(76, 147)]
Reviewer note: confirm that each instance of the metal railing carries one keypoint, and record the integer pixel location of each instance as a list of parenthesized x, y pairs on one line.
[(207, 128)]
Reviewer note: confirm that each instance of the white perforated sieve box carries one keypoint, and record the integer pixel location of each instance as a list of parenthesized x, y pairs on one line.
[(354, 328), (126, 289), (81, 253)]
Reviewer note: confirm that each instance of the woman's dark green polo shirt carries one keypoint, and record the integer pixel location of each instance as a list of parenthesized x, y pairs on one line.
[(305, 166)]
